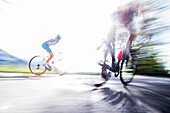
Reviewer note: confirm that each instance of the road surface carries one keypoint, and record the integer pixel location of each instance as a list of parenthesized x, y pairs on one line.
[(76, 94)]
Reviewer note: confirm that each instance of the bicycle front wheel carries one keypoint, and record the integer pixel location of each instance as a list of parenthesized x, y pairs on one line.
[(127, 71), (36, 65)]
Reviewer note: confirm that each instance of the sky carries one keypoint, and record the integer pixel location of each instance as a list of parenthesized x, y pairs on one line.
[(82, 24)]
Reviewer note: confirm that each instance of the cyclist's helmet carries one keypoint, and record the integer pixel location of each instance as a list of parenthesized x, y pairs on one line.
[(58, 37)]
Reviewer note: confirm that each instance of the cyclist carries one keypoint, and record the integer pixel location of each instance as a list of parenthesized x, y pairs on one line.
[(46, 45), (124, 16)]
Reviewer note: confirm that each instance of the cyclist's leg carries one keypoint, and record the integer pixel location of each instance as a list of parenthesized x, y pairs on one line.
[(51, 56), (105, 54), (47, 48), (130, 38), (111, 44), (112, 50)]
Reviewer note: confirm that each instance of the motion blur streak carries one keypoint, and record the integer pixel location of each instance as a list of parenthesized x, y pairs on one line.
[(151, 28), (153, 58)]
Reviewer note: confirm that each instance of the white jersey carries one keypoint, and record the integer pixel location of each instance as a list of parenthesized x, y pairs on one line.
[(53, 41)]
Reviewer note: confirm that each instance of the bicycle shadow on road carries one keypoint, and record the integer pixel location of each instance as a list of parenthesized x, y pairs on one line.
[(118, 100), (152, 97), (135, 99)]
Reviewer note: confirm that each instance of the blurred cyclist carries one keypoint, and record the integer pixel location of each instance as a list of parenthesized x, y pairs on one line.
[(46, 45), (124, 16)]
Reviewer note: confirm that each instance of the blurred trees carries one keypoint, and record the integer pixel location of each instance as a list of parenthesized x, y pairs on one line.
[(149, 58), (149, 61), (151, 26)]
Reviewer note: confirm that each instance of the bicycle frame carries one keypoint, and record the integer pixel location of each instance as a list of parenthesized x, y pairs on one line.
[(121, 68)]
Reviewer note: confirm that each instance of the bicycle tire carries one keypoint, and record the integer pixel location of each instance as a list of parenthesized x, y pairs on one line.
[(127, 70), (36, 65)]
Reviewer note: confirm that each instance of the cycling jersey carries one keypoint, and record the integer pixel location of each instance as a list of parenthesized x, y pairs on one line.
[(46, 44), (53, 41), (126, 16)]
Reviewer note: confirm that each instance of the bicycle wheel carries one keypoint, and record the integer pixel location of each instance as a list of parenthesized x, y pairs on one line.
[(128, 70), (36, 65)]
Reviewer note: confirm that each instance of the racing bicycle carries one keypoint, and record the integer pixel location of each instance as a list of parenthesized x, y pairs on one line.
[(126, 67)]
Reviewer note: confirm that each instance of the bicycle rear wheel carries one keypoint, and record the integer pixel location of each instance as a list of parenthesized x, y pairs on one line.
[(128, 70), (36, 65)]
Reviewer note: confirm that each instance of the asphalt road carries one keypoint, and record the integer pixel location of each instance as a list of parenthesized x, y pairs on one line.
[(76, 94)]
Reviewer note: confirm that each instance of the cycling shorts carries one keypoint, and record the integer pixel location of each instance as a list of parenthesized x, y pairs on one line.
[(46, 47)]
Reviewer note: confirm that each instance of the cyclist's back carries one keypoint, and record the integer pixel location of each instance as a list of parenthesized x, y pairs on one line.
[(126, 15), (53, 41)]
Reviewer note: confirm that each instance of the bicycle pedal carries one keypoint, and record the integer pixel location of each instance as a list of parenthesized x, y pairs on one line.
[(49, 68), (116, 74)]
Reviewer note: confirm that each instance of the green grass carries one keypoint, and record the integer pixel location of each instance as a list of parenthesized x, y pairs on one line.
[(19, 69)]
